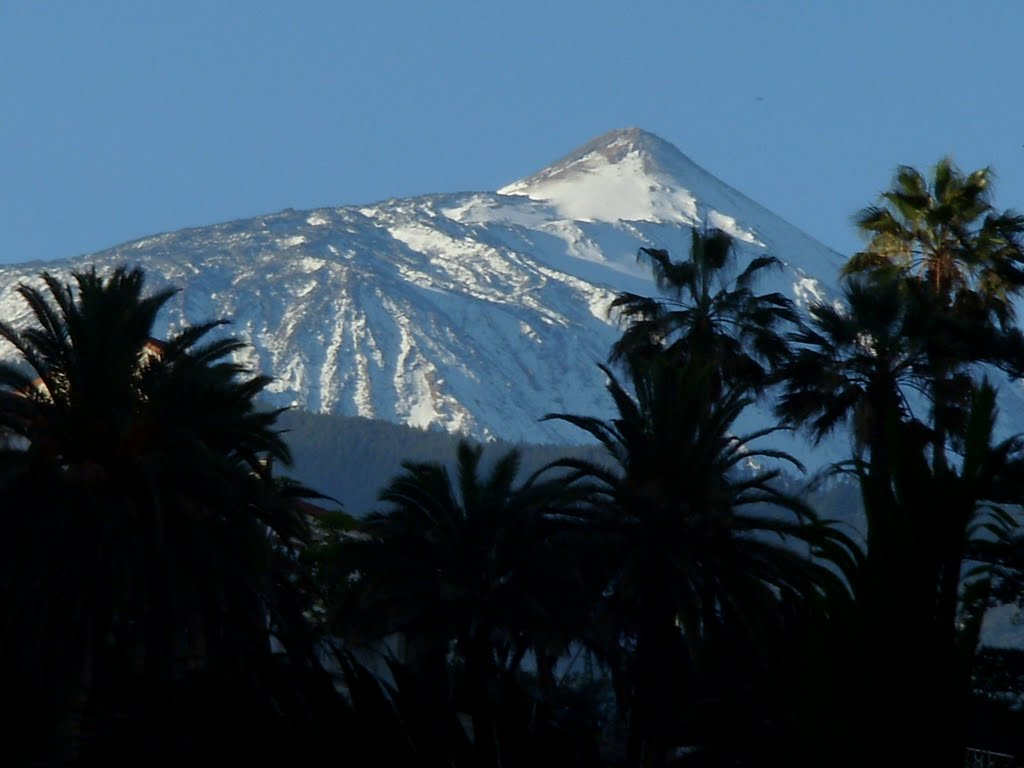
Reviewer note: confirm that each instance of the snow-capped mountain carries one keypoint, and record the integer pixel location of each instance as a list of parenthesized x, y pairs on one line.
[(477, 312)]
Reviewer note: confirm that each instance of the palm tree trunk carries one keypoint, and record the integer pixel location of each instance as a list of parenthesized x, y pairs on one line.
[(940, 377), (646, 741), (478, 678), (546, 675), (70, 727)]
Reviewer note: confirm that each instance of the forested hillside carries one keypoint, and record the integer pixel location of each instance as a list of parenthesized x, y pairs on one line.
[(352, 459)]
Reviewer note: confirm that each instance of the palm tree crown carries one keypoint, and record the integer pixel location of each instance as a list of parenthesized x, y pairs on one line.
[(857, 363), (97, 384), (705, 316), (947, 233), (464, 565)]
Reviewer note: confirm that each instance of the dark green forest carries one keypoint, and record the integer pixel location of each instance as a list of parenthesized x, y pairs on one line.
[(673, 594)]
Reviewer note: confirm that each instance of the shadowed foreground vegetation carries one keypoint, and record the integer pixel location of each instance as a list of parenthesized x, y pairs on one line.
[(667, 598)]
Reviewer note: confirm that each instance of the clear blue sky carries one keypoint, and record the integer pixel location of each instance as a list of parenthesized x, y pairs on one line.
[(123, 119)]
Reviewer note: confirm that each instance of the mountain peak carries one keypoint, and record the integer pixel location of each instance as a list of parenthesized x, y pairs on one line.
[(625, 174), (616, 146)]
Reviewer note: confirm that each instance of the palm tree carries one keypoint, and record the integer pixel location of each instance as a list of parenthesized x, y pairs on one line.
[(858, 364), (705, 315), (897, 659), (467, 564), (144, 534), (943, 236), (947, 233), (698, 541)]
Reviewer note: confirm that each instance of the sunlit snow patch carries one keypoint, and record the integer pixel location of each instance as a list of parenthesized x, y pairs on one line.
[(310, 264), (808, 291), (490, 209), (622, 191), (731, 227)]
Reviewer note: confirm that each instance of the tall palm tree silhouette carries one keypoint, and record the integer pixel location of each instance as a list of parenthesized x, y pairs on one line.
[(697, 541), (146, 536)]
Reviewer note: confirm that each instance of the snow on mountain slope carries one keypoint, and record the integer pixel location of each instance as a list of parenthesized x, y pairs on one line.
[(474, 312)]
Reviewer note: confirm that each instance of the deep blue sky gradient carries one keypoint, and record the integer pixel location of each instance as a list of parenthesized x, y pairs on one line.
[(119, 120)]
